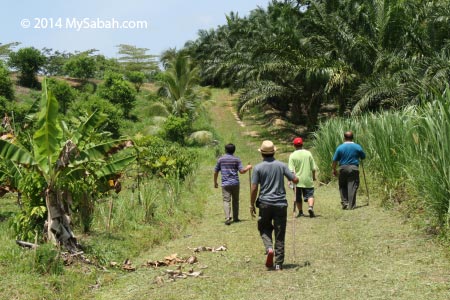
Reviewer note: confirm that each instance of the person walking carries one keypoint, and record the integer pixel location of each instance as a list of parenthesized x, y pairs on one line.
[(302, 163), (230, 166), (272, 216), (348, 155)]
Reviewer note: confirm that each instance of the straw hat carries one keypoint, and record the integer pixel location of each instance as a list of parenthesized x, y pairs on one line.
[(267, 147)]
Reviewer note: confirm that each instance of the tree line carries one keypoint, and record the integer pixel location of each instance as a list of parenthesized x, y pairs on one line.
[(358, 55)]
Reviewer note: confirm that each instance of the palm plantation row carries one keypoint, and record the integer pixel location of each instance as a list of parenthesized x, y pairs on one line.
[(361, 55)]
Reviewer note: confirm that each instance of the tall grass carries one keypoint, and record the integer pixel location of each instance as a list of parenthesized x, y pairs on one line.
[(430, 167), (406, 150)]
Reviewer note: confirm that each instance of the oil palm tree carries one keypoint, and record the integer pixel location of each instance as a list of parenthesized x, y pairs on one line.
[(178, 85)]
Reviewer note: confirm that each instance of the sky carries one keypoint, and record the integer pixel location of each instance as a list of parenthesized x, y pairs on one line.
[(79, 25)]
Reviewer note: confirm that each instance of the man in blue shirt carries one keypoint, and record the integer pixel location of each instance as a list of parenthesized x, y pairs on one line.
[(229, 166), (348, 154)]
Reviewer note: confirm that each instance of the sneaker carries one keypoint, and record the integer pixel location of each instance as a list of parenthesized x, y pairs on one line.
[(236, 220), (311, 213), (269, 259), (278, 267), (300, 214), (228, 222)]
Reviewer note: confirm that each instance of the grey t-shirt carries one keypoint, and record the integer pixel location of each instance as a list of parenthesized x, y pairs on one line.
[(270, 174)]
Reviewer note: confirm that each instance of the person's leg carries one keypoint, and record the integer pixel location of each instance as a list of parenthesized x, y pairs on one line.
[(309, 198), (343, 188), (265, 226), (279, 221), (235, 201), (226, 194), (298, 200), (353, 185)]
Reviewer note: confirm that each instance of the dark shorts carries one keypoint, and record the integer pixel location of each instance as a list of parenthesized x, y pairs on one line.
[(304, 193)]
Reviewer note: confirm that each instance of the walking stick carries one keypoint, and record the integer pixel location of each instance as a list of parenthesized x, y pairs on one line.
[(293, 225), (250, 183), (365, 182), (293, 219)]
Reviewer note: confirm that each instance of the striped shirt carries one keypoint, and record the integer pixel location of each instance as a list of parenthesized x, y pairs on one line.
[(229, 166)]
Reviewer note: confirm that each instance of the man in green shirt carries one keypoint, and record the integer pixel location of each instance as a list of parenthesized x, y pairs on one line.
[(301, 162)]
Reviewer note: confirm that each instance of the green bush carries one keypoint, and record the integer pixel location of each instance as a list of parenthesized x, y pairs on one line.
[(63, 92), (161, 158), (6, 85), (176, 129), (118, 91), (80, 66), (91, 103)]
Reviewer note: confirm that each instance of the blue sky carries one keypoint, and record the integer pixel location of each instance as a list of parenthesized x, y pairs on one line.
[(164, 23)]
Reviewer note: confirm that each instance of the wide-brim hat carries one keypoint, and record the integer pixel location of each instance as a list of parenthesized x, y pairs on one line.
[(267, 147)]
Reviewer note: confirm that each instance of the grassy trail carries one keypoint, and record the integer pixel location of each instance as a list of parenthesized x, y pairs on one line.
[(367, 253)]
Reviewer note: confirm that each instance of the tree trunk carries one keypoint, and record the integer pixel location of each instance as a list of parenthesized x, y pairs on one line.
[(313, 112), (58, 222)]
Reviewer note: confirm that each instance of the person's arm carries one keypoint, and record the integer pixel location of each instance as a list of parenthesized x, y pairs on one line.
[(244, 170), (216, 174), (333, 166), (314, 175)]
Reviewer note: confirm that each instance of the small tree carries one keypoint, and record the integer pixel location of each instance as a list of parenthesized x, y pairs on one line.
[(28, 61), (63, 92), (81, 66), (176, 129), (136, 78), (6, 85), (54, 65), (94, 103), (118, 91), (6, 49), (136, 59)]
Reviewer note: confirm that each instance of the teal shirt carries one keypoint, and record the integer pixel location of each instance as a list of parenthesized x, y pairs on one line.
[(303, 163), (349, 153)]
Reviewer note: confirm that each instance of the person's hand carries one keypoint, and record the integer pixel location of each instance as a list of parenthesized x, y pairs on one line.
[(249, 167), (216, 185), (334, 172), (252, 211)]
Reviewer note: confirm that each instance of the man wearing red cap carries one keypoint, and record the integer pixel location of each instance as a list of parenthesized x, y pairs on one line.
[(301, 162)]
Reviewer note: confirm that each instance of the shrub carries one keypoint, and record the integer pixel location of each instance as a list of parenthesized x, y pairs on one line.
[(175, 129), (165, 159), (6, 85), (91, 103), (118, 91), (63, 92)]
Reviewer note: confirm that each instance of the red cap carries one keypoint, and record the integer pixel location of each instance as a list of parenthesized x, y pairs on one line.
[(298, 141)]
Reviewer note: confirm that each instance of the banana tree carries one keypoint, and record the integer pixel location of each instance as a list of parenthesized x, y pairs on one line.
[(59, 156)]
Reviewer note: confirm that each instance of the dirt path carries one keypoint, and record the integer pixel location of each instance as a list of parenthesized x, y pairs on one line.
[(367, 253)]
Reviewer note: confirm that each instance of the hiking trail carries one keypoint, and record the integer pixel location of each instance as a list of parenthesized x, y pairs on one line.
[(366, 253)]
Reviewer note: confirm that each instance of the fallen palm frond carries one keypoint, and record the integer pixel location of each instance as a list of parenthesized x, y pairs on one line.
[(170, 260)]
